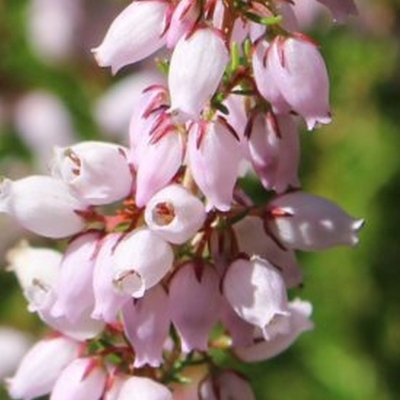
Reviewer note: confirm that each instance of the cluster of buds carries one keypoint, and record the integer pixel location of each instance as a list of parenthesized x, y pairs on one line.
[(167, 257)]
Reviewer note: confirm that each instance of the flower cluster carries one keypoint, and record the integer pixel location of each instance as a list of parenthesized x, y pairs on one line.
[(167, 257)]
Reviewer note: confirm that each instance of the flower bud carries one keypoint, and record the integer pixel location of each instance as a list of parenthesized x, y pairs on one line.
[(82, 379), (299, 322), (140, 388), (135, 34), (306, 222), (141, 260), (256, 291), (175, 214), (198, 62), (43, 205), (146, 324), (41, 367), (194, 304), (85, 168)]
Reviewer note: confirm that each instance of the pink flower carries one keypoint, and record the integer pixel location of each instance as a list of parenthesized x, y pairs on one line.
[(340, 8), (146, 324), (175, 214), (135, 34), (74, 290), (261, 350), (226, 385), (194, 304), (85, 168), (300, 75), (214, 155), (82, 379), (141, 260), (198, 62), (140, 388), (42, 205), (306, 222), (41, 367), (256, 291)]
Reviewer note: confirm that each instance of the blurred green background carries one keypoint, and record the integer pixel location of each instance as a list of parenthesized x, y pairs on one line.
[(354, 351)]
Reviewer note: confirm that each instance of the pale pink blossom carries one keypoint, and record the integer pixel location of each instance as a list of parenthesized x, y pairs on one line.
[(227, 385), (13, 346), (183, 20), (299, 322), (37, 270), (214, 156), (82, 379), (198, 62), (108, 301), (85, 168), (252, 239), (141, 260), (256, 291), (175, 214), (340, 8), (43, 205), (194, 304), (303, 221), (264, 76), (135, 34), (146, 324), (41, 367), (299, 73), (74, 290), (275, 151), (140, 388)]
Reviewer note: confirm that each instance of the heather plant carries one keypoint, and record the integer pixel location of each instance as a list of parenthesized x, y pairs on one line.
[(167, 258)]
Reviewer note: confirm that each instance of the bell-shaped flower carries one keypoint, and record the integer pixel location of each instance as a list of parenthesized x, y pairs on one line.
[(253, 240), (175, 214), (241, 331), (37, 271), (214, 155), (340, 8), (146, 324), (107, 300), (85, 168), (227, 385), (13, 346), (114, 385), (136, 33), (198, 62), (74, 289), (182, 21), (306, 222), (139, 388), (43, 205), (41, 367), (83, 328), (275, 151), (299, 322), (265, 79), (141, 260), (256, 291), (159, 161), (300, 74), (194, 304), (82, 379)]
